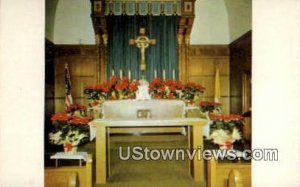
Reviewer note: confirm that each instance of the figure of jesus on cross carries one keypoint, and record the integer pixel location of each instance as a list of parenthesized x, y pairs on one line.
[(142, 42)]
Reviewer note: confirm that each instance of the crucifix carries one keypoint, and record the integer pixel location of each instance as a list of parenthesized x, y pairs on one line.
[(142, 42)]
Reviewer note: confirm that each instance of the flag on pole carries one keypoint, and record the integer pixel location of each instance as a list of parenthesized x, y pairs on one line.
[(217, 87), (68, 95)]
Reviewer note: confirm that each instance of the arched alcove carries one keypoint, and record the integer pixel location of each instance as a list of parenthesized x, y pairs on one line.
[(73, 24), (216, 22), (211, 23)]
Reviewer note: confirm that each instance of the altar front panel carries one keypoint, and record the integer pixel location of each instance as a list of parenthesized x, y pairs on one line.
[(127, 109)]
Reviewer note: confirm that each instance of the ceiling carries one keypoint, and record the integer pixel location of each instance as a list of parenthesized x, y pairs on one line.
[(216, 21)]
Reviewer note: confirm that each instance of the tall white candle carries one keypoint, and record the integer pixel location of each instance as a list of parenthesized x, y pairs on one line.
[(129, 74), (173, 74), (112, 72), (155, 73), (121, 74), (164, 75)]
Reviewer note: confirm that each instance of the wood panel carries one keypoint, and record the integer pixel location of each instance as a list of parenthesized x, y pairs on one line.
[(49, 77), (49, 90), (201, 65), (240, 66), (240, 79), (83, 61), (58, 176), (218, 173)]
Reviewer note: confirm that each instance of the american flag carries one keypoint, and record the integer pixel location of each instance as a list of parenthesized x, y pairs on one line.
[(68, 97)]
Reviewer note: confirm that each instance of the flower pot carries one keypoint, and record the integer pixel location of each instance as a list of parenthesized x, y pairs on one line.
[(227, 145), (69, 148)]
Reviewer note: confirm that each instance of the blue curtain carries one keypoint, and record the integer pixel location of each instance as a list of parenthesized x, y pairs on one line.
[(161, 56)]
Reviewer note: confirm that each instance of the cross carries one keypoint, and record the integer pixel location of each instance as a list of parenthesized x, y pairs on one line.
[(142, 42)]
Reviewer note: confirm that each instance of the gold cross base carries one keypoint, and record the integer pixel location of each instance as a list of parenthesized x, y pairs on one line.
[(142, 65)]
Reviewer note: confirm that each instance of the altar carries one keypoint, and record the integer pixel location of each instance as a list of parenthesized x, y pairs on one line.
[(145, 113)]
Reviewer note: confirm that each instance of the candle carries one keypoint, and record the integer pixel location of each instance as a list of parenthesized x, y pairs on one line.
[(164, 75), (121, 74), (129, 74), (155, 73), (173, 74), (112, 72)]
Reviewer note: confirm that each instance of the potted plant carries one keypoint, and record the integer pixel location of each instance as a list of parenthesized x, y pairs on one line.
[(70, 129)]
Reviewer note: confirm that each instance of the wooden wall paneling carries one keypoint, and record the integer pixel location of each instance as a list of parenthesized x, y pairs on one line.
[(187, 59), (240, 79), (49, 90), (49, 77), (201, 68), (240, 63), (83, 61), (102, 63)]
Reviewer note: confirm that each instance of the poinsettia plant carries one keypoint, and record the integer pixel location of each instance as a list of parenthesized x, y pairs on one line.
[(225, 129), (123, 88), (70, 128), (170, 89), (210, 107), (114, 89)]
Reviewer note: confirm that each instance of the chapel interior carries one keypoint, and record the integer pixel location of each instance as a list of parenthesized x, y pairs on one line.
[(193, 39)]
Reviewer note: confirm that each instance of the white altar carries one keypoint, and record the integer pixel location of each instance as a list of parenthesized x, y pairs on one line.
[(145, 113)]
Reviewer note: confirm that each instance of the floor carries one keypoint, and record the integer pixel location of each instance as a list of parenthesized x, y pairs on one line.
[(160, 173)]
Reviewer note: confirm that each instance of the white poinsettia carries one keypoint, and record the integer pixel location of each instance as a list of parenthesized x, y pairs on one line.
[(180, 94), (220, 136), (56, 137), (235, 134), (74, 137)]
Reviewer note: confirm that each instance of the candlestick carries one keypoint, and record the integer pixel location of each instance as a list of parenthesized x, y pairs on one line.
[(121, 74), (129, 74), (155, 73), (164, 75), (173, 73)]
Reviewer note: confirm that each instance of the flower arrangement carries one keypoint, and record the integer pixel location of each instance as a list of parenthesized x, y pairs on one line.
[(123, 88), (225, 129), (170, 89), (114, 89), (210, 107), (71, 128)]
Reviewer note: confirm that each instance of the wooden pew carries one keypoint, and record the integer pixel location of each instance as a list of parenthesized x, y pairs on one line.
[(235, 179), (61, 178), (70, 175), (218, 173)]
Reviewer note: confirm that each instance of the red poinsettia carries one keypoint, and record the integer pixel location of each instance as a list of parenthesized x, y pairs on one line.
[(123, 88), (76, 106), (62, 117), (225, 117), (76, 120)]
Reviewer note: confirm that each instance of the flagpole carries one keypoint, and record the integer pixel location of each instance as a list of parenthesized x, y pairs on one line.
[(68, 95), (217, 86)]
